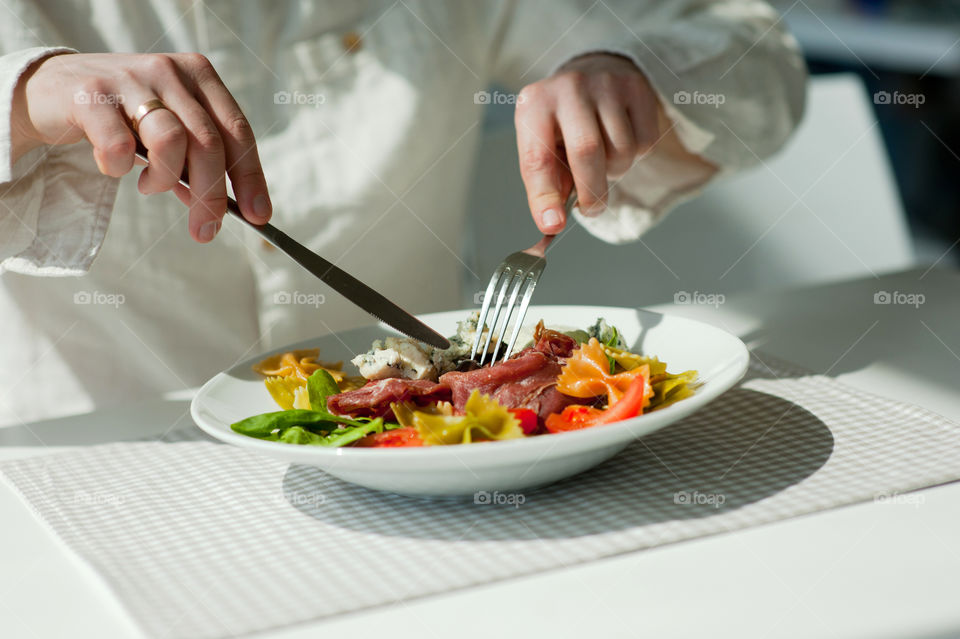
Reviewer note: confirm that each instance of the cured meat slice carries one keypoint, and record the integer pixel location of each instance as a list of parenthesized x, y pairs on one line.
[(373, 399)]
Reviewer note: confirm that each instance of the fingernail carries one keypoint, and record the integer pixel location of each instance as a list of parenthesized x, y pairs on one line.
[(261, 207), (208, 231), (550, 217)]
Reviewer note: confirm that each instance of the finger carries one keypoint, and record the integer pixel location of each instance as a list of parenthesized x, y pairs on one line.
[(541, 168), (165, 138), (586, 151), (112, 140), (643, 113), (240, 148), (206, 163), (618, 138)]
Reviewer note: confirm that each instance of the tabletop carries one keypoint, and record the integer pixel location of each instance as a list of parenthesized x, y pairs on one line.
[(878, 569)]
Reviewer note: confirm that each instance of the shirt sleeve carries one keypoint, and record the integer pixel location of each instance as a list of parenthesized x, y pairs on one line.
[(731, 81), (54, 203)]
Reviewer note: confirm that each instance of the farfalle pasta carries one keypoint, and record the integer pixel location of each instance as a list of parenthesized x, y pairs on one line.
[(560, 382)]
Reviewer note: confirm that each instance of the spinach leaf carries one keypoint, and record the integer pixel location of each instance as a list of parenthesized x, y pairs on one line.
[(333, 439), (263, 425), (612, 342), (320, 386)]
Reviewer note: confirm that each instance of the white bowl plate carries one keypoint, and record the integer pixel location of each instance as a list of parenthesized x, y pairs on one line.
[(719, 357)]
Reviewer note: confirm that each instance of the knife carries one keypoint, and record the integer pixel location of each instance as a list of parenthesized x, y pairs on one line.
[(335, 277)]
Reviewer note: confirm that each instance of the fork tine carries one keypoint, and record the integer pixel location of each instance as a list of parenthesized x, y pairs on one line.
[(532, 278), (504, 285), (485, 308), (518, 279)]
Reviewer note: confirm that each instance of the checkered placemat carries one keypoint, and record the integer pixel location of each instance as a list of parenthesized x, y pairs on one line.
[(201, 539)]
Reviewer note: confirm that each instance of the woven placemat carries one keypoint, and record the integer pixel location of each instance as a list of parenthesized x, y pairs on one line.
[(201, 539)]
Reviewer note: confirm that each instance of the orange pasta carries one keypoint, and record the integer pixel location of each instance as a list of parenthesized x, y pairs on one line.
[(587, 374)]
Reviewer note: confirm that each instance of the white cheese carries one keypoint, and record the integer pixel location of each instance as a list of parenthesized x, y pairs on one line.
[(396, 357)]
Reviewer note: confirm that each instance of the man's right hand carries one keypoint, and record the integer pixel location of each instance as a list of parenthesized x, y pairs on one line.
[(65, 98)]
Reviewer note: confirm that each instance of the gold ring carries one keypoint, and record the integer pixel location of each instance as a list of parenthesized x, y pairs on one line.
[(143, 110)]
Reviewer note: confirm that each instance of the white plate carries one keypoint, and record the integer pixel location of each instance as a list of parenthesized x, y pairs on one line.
[(511, 465)]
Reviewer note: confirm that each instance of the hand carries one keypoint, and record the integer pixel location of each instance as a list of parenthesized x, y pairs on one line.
[(65, 98), (587, 122)]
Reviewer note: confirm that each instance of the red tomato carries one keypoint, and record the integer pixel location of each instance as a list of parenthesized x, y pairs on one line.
[(576, 416), (396, 438), (529, 421), (573, 417)]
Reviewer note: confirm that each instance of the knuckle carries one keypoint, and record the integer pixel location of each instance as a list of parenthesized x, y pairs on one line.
[(240, 178), (238, 127), (609, 81), (532, 93), (197, 61), (93, 86), (537, 159), (585, 146), (575, 80), (119, 148), (157, 64), (208, 141), (212, 205), (172, 136)]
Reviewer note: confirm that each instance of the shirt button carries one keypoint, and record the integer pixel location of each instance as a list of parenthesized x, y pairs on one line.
[(351, 41)]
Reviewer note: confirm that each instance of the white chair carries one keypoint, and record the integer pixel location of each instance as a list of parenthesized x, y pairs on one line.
[(825, 208)]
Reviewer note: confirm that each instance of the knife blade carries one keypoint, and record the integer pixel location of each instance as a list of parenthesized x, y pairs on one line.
[(335, 277)]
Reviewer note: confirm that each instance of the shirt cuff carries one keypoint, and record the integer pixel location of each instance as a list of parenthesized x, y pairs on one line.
[(12, 66)]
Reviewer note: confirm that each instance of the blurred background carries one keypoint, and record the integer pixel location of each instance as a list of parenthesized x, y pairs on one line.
[(869, 184)]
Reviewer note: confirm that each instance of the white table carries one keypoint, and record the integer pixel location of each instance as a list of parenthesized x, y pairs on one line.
[(872, 570)]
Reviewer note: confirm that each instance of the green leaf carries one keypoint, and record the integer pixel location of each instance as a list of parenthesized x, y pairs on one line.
[(265, 424), (320, 386), (316, 427), (333, 439)]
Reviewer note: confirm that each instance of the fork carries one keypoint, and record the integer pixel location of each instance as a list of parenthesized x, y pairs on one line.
[(520, 270)]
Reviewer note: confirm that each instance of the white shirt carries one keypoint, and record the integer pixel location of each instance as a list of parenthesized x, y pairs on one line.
[(367, 154)]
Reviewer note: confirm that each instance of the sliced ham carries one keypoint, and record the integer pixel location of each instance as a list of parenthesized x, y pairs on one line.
[(373, 399), (528, 380), (554, 342)]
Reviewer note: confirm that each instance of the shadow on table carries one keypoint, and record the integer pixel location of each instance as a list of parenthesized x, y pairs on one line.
[(743, 448)]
